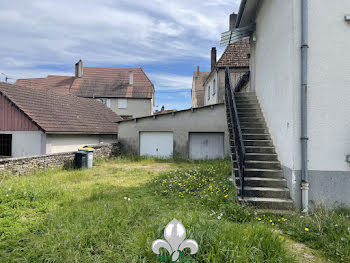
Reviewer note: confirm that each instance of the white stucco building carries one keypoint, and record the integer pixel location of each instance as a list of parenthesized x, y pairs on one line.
[(276, 67)]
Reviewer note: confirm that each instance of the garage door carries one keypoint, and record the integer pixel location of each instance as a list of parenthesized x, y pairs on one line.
[(158, 144), (206, 146)]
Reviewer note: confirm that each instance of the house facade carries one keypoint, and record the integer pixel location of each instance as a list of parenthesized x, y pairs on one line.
[(209, 87), (126, 91), (197, 92), (36, 122), (300, 74)]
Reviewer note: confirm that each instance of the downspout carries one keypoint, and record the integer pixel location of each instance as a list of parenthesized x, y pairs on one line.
[(304, 82)]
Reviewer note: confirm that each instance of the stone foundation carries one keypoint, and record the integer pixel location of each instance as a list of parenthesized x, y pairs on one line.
[(22, 166)]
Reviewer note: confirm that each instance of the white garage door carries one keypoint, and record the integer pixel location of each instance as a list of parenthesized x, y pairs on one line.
[(206, 145), (158, 144)]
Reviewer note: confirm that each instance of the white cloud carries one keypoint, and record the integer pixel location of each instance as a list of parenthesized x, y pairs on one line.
[(172, 82), (47, 32), (42, 37)]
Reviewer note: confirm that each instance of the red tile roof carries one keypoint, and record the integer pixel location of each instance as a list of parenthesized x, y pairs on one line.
[(97, 82), (235, 55), (53, 112), (113, 82), (59, 84)]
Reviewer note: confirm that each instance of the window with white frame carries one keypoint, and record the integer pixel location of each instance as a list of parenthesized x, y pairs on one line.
[(208, 92), (122, 103)]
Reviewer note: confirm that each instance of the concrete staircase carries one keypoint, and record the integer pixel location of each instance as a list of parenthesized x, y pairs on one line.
[(264, 185)]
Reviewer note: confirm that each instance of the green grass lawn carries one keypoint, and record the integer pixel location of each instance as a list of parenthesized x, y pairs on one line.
[(113, 213)]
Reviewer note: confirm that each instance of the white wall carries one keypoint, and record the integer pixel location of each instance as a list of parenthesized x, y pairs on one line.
[(275, 76), (70, 142), (26, 143), (212, 98), (329, 85)]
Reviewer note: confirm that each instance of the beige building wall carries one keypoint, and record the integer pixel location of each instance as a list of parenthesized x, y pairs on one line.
[(57, 143), (130, 107), (205, 119)]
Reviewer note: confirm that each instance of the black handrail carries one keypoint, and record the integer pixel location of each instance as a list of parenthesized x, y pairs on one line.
[(236, 128)]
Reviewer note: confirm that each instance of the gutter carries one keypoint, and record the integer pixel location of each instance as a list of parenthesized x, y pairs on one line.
[(304, 82), (240, 13)]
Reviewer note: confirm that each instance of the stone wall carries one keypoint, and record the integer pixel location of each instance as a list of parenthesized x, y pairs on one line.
[(21, 166)]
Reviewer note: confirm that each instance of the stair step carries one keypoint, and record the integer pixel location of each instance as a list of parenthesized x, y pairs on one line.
[(243, 114), (250, 102), (270, 203), (255, 119), (264, 182), (263, 164), (245, 125), (266, 173), (245, 101), (254, 130), (263, 136), (255, 110), (261, 157), (247, 108), (260, 149), (264, 143), (269, 192), (245, 94)]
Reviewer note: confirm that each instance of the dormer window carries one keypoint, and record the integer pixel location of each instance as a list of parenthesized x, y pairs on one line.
[(131, 78)]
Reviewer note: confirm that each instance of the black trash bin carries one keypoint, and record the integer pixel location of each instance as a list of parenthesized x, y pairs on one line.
[(81, 160)]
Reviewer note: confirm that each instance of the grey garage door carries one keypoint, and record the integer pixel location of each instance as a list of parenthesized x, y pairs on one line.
[(206, 145), (158, 144)]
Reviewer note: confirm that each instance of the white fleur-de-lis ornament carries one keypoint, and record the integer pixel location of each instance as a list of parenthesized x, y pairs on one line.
[(175, 234)]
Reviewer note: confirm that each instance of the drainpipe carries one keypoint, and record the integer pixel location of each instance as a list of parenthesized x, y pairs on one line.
[(304, 81)]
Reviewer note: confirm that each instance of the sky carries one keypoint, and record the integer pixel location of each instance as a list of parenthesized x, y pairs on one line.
[(168, 39)]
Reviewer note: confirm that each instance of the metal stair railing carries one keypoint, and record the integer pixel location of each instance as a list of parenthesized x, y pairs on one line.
[(236, 128)]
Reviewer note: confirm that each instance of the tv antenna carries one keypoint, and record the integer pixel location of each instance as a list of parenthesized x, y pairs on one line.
[(6, 77)]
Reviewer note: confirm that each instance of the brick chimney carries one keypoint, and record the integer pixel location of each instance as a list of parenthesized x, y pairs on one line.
[(213, 58), (233, 18), (197, 71), (79, 69)]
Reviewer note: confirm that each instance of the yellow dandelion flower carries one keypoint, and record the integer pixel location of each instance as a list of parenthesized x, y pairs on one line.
[(259, 219), (306, 229), (273, 224), (226, 196)]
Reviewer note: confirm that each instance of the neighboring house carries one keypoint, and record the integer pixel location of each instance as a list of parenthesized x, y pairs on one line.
[(300, 74), (210, 86), (127, 91), (198, 92), (199, 133), (36, 122), (163, 110)]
